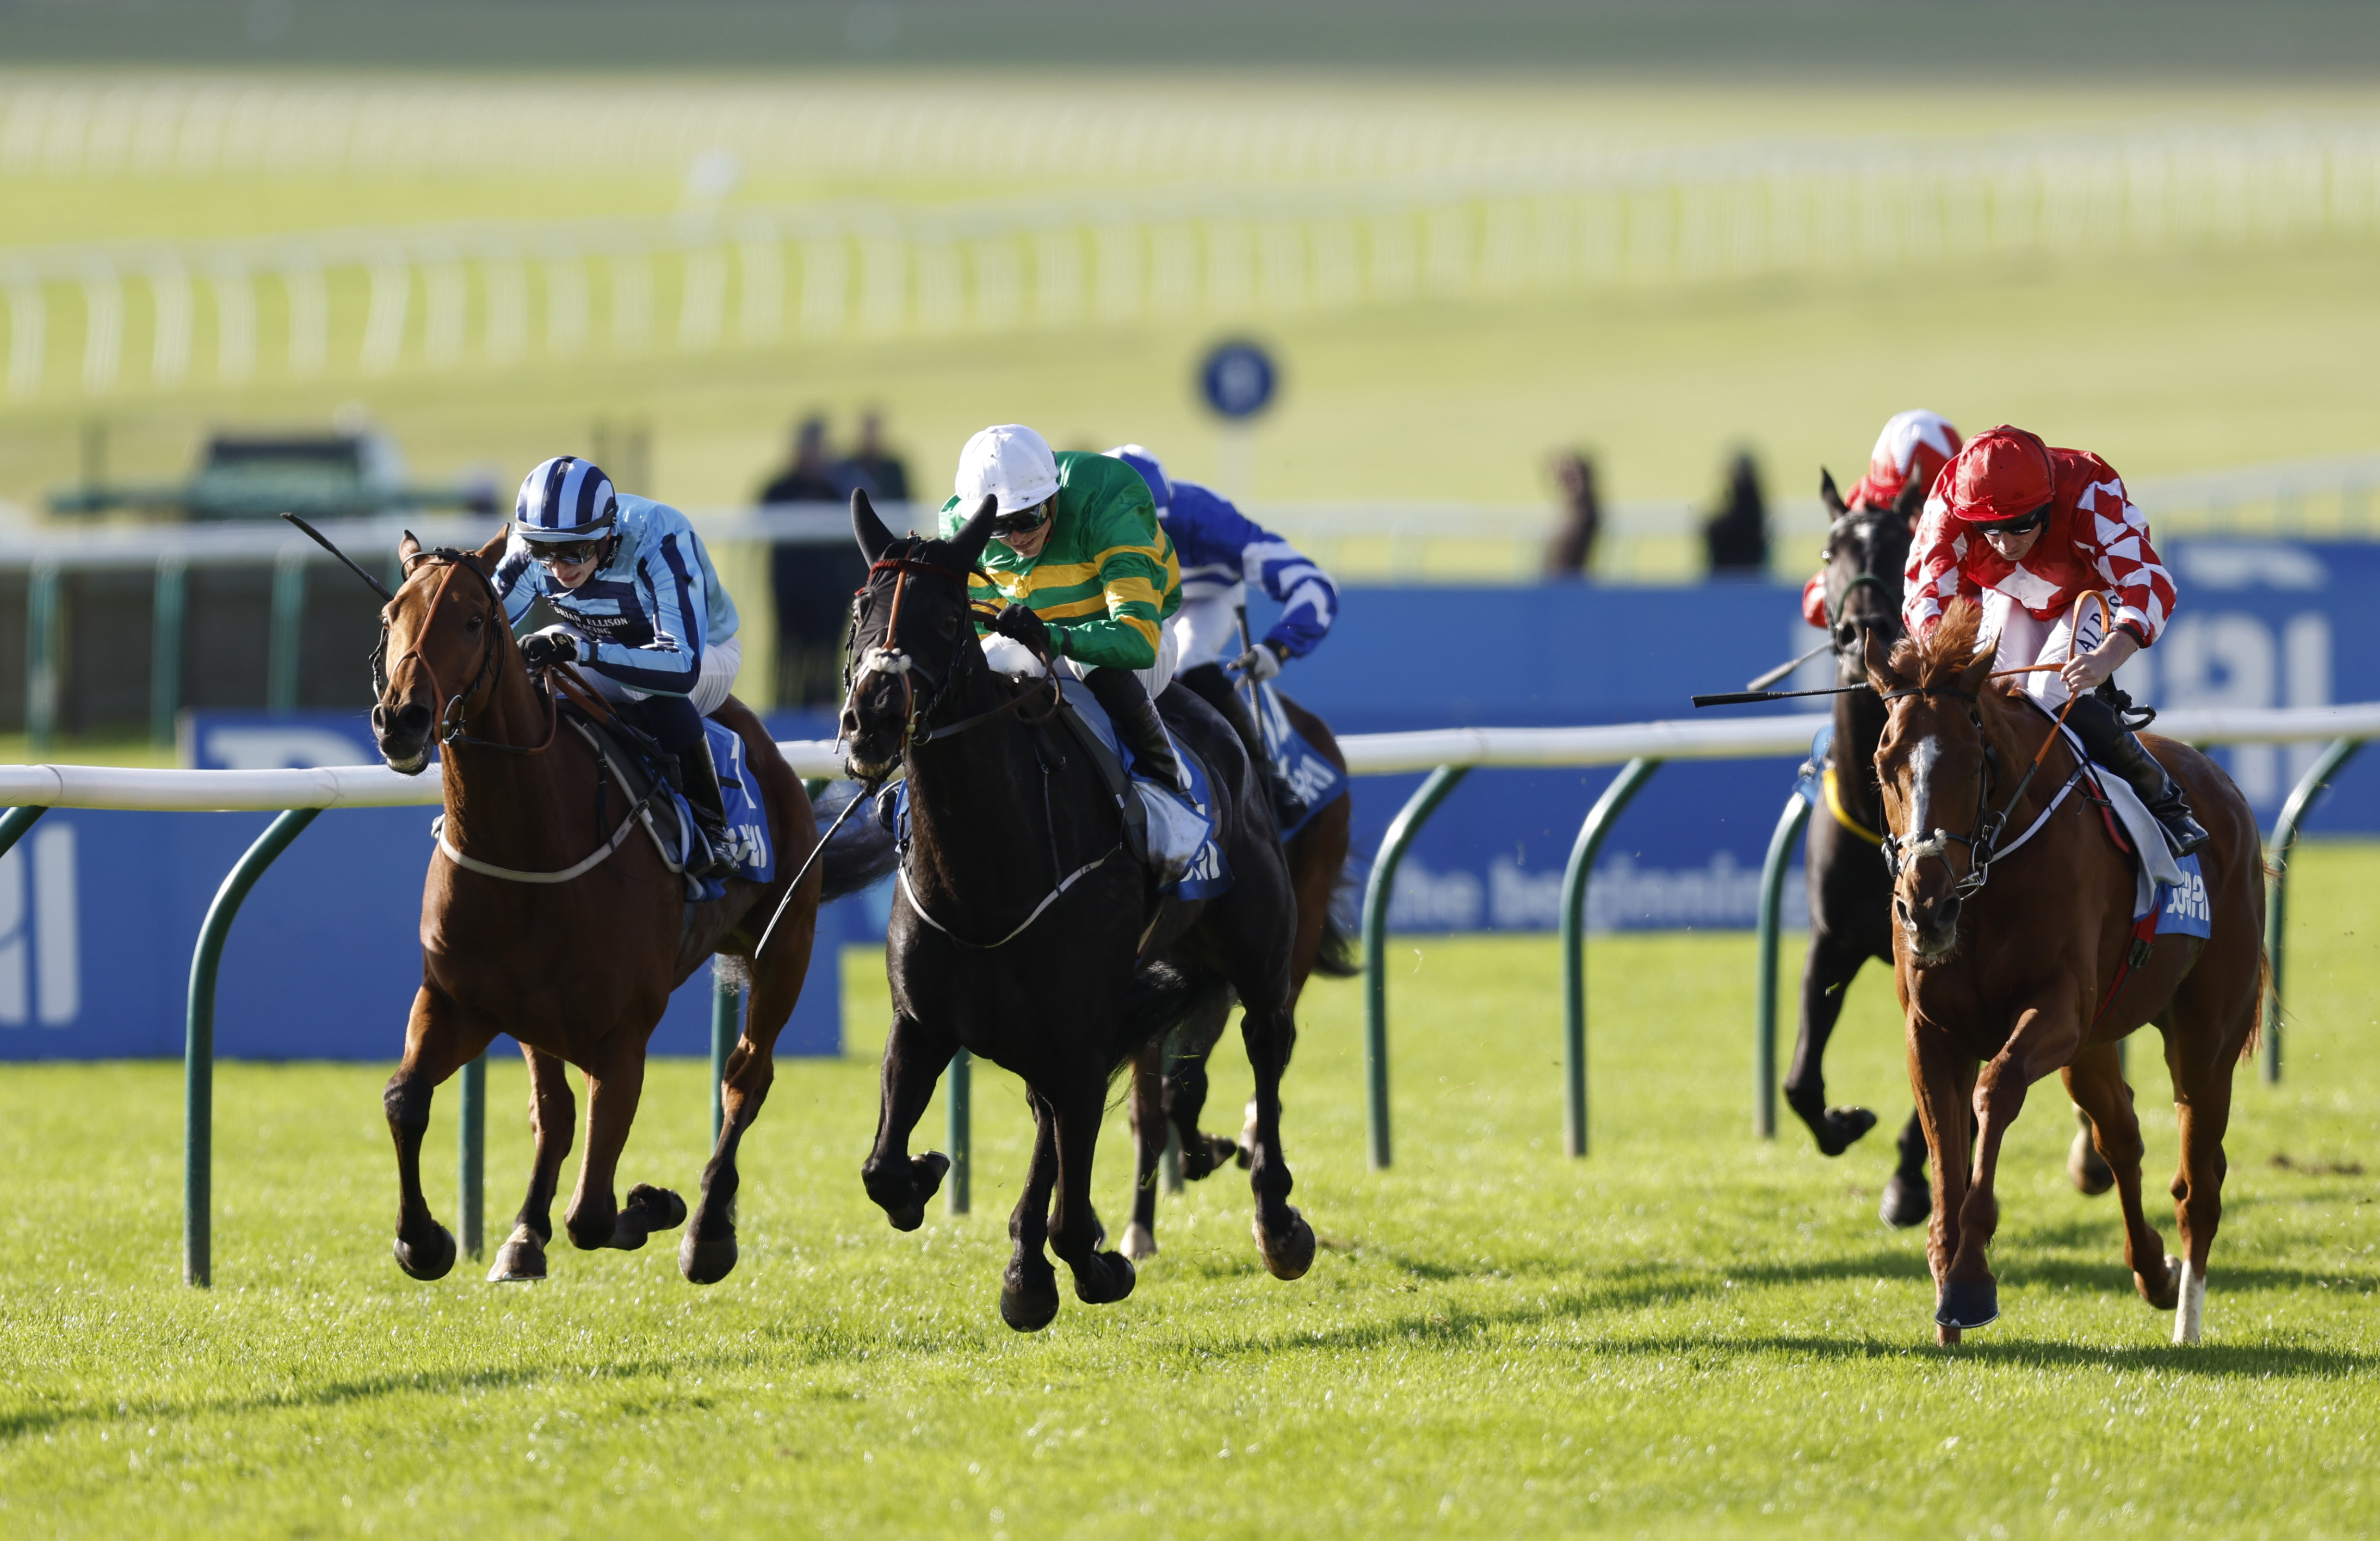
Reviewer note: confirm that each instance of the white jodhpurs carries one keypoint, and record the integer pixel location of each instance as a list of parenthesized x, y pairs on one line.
[(720, 663), (1207, 630), (2024, 640), (1153, 680)]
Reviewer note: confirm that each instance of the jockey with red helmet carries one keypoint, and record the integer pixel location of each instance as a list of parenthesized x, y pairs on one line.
[(2027, 529), (1915, 446)]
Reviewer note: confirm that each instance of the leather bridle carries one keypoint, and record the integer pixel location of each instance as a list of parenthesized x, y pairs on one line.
[(456, 709), (887, 657)]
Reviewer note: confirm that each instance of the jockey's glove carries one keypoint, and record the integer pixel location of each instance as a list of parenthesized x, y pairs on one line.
[(553, 645), (1258, 664), (1018, 623)]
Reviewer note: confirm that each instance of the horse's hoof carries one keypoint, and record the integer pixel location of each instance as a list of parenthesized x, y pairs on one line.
[(2090, 1172), (660, 1209), (1292, 1253), (1907, 1201), (1964, 1304), (706, 1259), (430, 1262), (1029, 1310), (2167, 1295), (1139, 1242), (1107, 1278), (521, 1260), (908, 1217), (1841, 1128)]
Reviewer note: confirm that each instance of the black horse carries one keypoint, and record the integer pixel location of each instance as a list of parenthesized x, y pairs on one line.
[(1027, 935), (1850, 889)]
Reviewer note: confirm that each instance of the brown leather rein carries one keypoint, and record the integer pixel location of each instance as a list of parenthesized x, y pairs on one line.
[(458, 708)]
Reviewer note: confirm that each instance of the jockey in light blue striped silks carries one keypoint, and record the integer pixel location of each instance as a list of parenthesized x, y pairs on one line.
[(646, 619), (1222, 550)]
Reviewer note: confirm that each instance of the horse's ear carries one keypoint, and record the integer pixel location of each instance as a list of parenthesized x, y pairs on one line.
[(407, 548), (1877, 655), (968, 544), (1912, 502), (866, 528), (1827, 495), (1977, 674), (494, 551)]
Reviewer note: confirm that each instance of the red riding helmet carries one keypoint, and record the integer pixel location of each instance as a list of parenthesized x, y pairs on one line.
[(2004, 473)]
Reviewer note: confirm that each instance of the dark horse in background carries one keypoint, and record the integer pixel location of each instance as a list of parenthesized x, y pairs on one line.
[(1169, 1077), (1851, 889), (1023, 930), (576, 968)]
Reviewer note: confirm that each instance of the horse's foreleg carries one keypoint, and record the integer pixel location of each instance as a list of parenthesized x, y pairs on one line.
[(1942, 1078), (1028, 1289), (2095, 1081), (1101, 1278), (1284, 1238), (552, 1114), (708, 1254), (1148, 1131), (2046, 1037), (1825, 974), (915, 1057), (596, 1218), (437, 1043)]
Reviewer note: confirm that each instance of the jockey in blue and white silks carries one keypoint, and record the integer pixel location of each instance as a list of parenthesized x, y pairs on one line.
[(1222, 550), (645, 617)]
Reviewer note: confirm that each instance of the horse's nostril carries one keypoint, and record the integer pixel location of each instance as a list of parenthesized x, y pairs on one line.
[(1900, 911), (1945, 914)]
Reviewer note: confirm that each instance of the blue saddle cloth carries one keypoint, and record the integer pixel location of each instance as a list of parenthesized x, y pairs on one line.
[(1209, 874), (1299, 763), (2183, 909), (750, 849)]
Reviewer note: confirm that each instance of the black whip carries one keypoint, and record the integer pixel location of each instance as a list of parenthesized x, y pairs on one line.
[(324, 541)]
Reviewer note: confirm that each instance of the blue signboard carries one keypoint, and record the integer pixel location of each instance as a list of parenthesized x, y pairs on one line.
[(1237, 380)]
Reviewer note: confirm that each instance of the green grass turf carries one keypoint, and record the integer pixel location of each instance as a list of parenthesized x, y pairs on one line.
[(1690, 1332)]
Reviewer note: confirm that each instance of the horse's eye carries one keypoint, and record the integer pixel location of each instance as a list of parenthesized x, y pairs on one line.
[(474, 623), (950, 625)]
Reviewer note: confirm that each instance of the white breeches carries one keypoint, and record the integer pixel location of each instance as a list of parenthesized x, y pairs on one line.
[(2023, 639), (1207, 630), (1153, 680), (720, 663)]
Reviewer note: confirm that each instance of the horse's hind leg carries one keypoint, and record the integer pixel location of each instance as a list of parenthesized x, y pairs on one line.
[(1101, 1278), (596, 1218), (915, 1057), (2096, 1082), (2202, 1088), (437, 1043), (552, 1114), (1185, 1086), (1148, 1129), (1826, 973), (1908, 1198), (1028, 1289), (708, 1253), (1284, 1238)]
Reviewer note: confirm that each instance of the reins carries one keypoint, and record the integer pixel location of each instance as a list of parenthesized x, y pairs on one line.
[(456, 709)]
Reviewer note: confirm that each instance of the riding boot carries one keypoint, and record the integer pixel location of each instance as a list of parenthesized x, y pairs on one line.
[(1122, 696), (687, 765), (2110, 743), (1214, 687)]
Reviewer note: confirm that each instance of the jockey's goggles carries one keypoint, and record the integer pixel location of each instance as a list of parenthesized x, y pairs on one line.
[(565, 553), (2023, 524), (1024, 521)]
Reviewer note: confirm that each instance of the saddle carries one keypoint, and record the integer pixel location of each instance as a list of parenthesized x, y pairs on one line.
[(1182, 851), (628, 765)]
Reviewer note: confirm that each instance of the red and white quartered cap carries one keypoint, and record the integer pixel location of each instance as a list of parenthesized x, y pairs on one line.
[(1915, 444)]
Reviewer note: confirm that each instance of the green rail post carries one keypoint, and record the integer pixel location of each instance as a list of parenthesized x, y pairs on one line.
[(41, 661), (14, 823), (726, 1002), (958, 1093), (2276, 865), (198, 1049), (285, 649), (166, 649), (1790, 825), (471, 1154), (1599, 819), (1401, 830)]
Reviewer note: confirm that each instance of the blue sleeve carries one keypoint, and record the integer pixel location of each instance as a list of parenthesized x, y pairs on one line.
[(672, 595), (1309, 601), (517, 581)]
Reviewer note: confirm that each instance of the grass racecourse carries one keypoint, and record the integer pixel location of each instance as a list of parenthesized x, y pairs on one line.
[(1689, 1332)]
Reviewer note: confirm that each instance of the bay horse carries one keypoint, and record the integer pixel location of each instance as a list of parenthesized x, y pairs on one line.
[(1866, 555), (577, 970), (1169, 1074), (1025, 933), (2039, 972)]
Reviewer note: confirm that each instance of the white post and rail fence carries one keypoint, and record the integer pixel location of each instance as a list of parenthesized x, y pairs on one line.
[(1639, 748)]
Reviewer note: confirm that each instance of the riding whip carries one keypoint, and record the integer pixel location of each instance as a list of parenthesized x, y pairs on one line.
[(1764, 681), (1744, 698), (324, 541), (815, 850)]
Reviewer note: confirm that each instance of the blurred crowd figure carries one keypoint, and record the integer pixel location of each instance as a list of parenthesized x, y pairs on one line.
[(1736, 536), (813, 581), (1571, 552)]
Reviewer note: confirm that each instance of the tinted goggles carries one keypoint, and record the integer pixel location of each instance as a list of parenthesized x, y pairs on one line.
[(2023, 524), (567, 554), (1024, 521)]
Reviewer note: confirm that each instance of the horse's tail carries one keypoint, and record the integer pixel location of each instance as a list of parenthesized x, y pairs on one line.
[(2257, 1025), (1165, 997), (861, 854), (1341, 957)]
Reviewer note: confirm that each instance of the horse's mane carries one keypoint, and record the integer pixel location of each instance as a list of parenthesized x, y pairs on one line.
[(1938, 659)]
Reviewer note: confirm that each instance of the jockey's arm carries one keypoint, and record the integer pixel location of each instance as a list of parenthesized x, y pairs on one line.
[(2087, 669), (1308, 599), (669, 581), (516, 584), (1122, 632)]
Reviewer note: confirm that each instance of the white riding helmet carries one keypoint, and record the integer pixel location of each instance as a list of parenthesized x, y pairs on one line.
[(1010, 462)]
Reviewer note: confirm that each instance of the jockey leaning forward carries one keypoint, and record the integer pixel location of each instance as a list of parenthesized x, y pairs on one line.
[(1220, 550), (2028, 530), (644, 617), (1087, 574), (1915, 446)]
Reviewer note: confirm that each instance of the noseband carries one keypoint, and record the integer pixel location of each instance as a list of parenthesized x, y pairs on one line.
[(1936, 842)]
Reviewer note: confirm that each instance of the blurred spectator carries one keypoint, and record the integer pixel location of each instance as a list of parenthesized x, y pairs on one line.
[(1737, 536), (1571, 553), (872, 466), (808, 478)]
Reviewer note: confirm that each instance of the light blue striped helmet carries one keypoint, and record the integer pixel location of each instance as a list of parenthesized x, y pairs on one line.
[(566, 498)]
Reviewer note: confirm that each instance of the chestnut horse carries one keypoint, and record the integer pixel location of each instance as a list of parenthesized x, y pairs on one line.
[(1168, 1075), (578, 969), (2037, 971)]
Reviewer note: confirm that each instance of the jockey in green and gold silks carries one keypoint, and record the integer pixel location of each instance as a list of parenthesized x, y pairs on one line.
[(1083, 569)]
